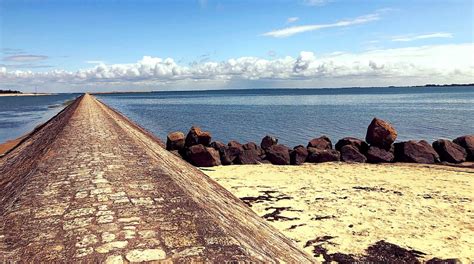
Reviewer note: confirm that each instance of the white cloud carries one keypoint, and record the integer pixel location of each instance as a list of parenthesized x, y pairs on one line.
[(292, 20), (25, 58), (401, 66), (290, 31), (424, 36)]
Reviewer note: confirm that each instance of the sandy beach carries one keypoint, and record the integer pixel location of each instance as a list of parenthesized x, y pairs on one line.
[(9, 144), (347, 207)]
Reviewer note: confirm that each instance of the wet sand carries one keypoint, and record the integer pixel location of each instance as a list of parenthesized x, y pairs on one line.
[(9, 144), (348, 207)]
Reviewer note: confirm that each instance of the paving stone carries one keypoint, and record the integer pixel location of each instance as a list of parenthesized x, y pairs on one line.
[(140, 255)]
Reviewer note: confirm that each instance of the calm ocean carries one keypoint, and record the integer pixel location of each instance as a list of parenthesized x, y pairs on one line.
[(297, 115), (21, 114), (293, 115)]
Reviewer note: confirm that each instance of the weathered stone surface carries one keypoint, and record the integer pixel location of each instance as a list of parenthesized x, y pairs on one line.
[(175, 141), (323, 155), (449, 151), (381, 134), (298, 155), (278, 154), (202, 156), (233, 150), (141, 255), (268, 141), (221, 148), (467, 142), (351, 154), (254, 146), (322, 142), (176, 153), (249, 156), (361, 145), (114, 194), (416, 152), (378, 155), (197, 136)]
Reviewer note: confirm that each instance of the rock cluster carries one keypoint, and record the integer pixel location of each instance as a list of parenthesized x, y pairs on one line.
[(379, 147)]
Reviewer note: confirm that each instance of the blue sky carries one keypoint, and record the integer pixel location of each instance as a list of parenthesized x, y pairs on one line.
[(41, 37)]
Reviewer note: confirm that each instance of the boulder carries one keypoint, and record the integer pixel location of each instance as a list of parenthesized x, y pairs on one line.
[(322, 155), (248, 156), (351, 154), (416, 152), (202, 156), (449, 151), (322, 142), (217, 145), (253, 146), (223, 152), (268, 141), (378, 155), (381, 134), (175, 141), (278, 154), (197, 136), (233, 150), (361, 145), (467, 142), (298, 155)]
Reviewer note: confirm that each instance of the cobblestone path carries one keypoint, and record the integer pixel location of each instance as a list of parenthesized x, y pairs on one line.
[(90, 186)]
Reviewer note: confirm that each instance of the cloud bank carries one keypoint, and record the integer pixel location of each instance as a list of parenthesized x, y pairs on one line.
[(402, 66)]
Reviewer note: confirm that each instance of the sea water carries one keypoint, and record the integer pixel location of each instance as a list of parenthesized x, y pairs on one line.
[(297, 115)]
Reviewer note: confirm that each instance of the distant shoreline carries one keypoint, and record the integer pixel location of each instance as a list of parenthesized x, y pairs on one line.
[(282, 88), (24, 94)]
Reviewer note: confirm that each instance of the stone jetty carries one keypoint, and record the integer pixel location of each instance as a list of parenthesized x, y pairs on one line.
[(91, 186)]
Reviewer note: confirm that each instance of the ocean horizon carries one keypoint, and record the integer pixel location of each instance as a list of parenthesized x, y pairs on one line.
[(297, 115), (294, 115)]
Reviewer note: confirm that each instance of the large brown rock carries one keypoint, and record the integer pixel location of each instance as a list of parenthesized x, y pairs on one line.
[(322, 155), (268, 141), (253, 146), (175, 141), (449, 151), (361, 145), (222, 149), (197, 136), (249, 156), (351, 154), (234, 149), (202, 156), (467, 142), (278, 154), (378, 155), (416, 152), (249, 153), (298, 155), (381, 134), (321, 142)]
